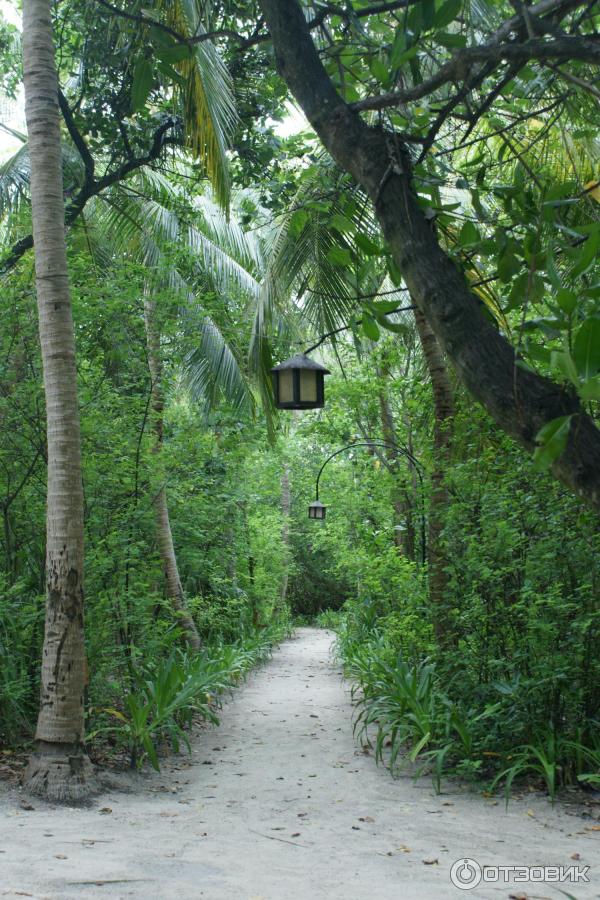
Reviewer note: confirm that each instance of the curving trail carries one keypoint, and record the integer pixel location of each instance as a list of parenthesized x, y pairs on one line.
[(279, 804)]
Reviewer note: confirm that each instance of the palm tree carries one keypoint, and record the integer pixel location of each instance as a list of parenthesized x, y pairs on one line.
[(59, 768), (164, 535), (138, 220)]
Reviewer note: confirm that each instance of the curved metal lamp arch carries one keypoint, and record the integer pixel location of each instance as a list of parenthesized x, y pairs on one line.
[(412, 460)]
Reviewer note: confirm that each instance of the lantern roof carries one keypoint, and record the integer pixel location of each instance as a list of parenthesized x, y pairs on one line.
[(316, 504), (301, 361)]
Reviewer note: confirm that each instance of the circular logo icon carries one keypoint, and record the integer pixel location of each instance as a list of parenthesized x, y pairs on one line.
[(465, 874)]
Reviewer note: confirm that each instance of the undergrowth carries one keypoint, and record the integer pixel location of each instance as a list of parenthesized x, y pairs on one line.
[(169, 695), (420, 712)]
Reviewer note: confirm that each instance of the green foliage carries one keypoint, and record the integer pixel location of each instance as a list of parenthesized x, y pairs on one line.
[(223, 496), (21, 624), (407, 714), (329, 618), (512, 189), (169, 695), (517, 694)]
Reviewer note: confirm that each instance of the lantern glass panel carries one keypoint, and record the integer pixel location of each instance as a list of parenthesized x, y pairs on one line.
[(308, 386), (316, 510), (286, 386)]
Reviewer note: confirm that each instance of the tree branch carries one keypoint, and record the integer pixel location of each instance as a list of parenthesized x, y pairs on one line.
[(339, 330), (77, 137), (574, 79), (91, 188), (564, 49), (520, 400), (258, 37)]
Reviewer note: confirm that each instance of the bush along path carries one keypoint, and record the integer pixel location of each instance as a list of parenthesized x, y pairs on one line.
[(280, 801), (167, 696)]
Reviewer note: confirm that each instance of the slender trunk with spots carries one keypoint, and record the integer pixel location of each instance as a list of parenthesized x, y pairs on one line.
[(443, 410), (285, 531), (164, 535), (404, 527), (59, 769)]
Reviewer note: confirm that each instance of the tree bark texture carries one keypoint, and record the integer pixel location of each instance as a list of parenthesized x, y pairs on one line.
[(404, 537), (164, 535), (286, 502), (520, 401), (443, 410), (58, 769)]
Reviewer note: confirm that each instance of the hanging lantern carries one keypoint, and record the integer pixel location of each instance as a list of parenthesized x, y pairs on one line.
[(298, 383), (316, 510)]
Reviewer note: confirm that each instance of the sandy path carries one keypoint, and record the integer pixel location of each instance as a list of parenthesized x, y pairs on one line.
[(279, 804)]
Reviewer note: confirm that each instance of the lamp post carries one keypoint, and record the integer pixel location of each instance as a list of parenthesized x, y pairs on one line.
[(316, 510)]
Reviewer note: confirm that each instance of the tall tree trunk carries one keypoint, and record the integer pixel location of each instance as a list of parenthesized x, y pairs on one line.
[(285, 530), (520, 401), (58, 769), (164, 536), (443, 408), (404, 535)]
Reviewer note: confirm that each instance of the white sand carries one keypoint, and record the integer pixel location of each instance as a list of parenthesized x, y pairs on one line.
[(279, 804)]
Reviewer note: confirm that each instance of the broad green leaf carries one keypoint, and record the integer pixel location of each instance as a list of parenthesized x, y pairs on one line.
[(319, 205), (586, 255), (175, 54), (170, 72), (394, 272), (469, 234), (537, 288), (398, 48), (342, 224), (381, 307), (541, 354), (562, 361), (407, 55), (586, 348), (339, 256), (552, 440), (159, 37), (447, 39), (590, 390), (143, 77), (447, 13), (508, 265), (370, 327), (367, 245), (428, 12), (395, 327), (298, 220), (567, 301), (379, 70)]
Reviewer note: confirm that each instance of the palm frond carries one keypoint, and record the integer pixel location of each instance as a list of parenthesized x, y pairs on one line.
[(206, 92), (14, 181), (212, 371), (141, 227), (228, 234)]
